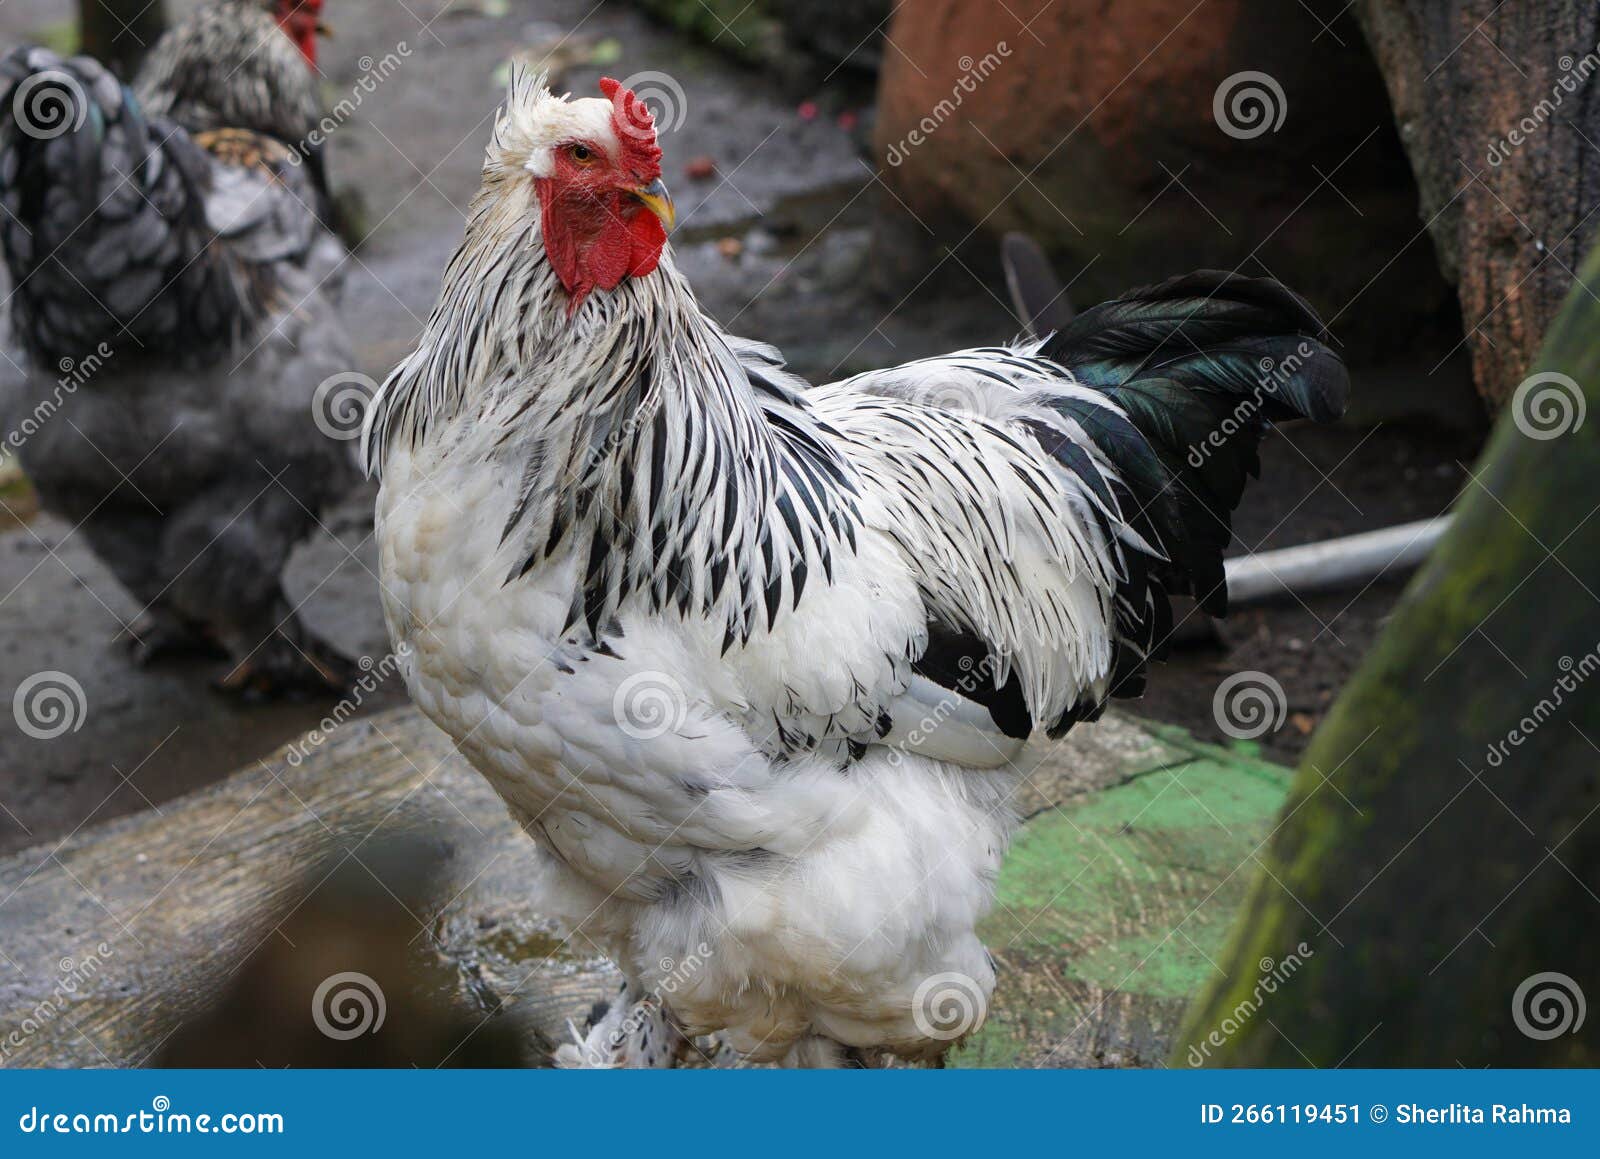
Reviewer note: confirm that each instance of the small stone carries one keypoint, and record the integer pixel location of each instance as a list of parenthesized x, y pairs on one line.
[(730, 247), (701, 168)]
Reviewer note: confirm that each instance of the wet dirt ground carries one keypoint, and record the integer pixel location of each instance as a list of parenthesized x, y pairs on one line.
[(775, 211)]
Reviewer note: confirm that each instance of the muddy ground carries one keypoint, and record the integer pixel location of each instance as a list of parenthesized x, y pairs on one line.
[(774, 234)]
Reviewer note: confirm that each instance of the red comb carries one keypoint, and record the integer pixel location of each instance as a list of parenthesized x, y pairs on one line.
[(635, 126)]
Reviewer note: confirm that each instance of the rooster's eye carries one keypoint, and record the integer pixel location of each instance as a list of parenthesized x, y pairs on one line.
[(582, 154)]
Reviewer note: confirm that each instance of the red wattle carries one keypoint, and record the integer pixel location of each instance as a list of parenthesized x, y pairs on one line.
[(648, 238), (592, 246)]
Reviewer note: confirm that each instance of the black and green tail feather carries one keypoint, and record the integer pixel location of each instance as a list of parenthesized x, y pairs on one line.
[(1201, 365)]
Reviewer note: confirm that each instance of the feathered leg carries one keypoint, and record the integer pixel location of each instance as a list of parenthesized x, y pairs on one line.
[(128, 540), (814, 1052), (626, 1034), (225, 554)]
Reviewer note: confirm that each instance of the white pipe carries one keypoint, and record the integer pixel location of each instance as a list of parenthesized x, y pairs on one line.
[(1333, 563)]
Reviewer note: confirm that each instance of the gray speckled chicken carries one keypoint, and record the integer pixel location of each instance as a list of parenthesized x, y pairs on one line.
[(242, 64), (172, 318)]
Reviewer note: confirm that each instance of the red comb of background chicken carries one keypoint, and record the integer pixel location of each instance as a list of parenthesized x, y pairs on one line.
[(302, 20), (636, 129)]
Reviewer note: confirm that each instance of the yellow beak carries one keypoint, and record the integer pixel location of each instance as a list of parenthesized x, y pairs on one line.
[(658, 201)]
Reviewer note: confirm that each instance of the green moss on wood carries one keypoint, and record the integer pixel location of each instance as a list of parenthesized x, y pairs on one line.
[(1429, 864), (1109, 910)]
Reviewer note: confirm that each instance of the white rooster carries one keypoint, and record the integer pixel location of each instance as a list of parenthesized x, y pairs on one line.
[(750, 661)]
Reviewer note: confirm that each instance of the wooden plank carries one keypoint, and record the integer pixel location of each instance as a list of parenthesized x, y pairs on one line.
[(162, 913)]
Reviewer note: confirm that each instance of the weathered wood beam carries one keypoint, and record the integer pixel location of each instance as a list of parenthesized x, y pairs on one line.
[(1496, 108)]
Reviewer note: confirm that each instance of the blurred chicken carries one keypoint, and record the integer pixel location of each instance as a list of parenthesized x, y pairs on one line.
[(173, 319), (242, 64)]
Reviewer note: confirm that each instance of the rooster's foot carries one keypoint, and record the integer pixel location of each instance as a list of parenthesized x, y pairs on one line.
[(281, 670), (624, 1035)]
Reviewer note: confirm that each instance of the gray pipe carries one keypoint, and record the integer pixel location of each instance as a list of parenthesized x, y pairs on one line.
[(1333, 563)]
